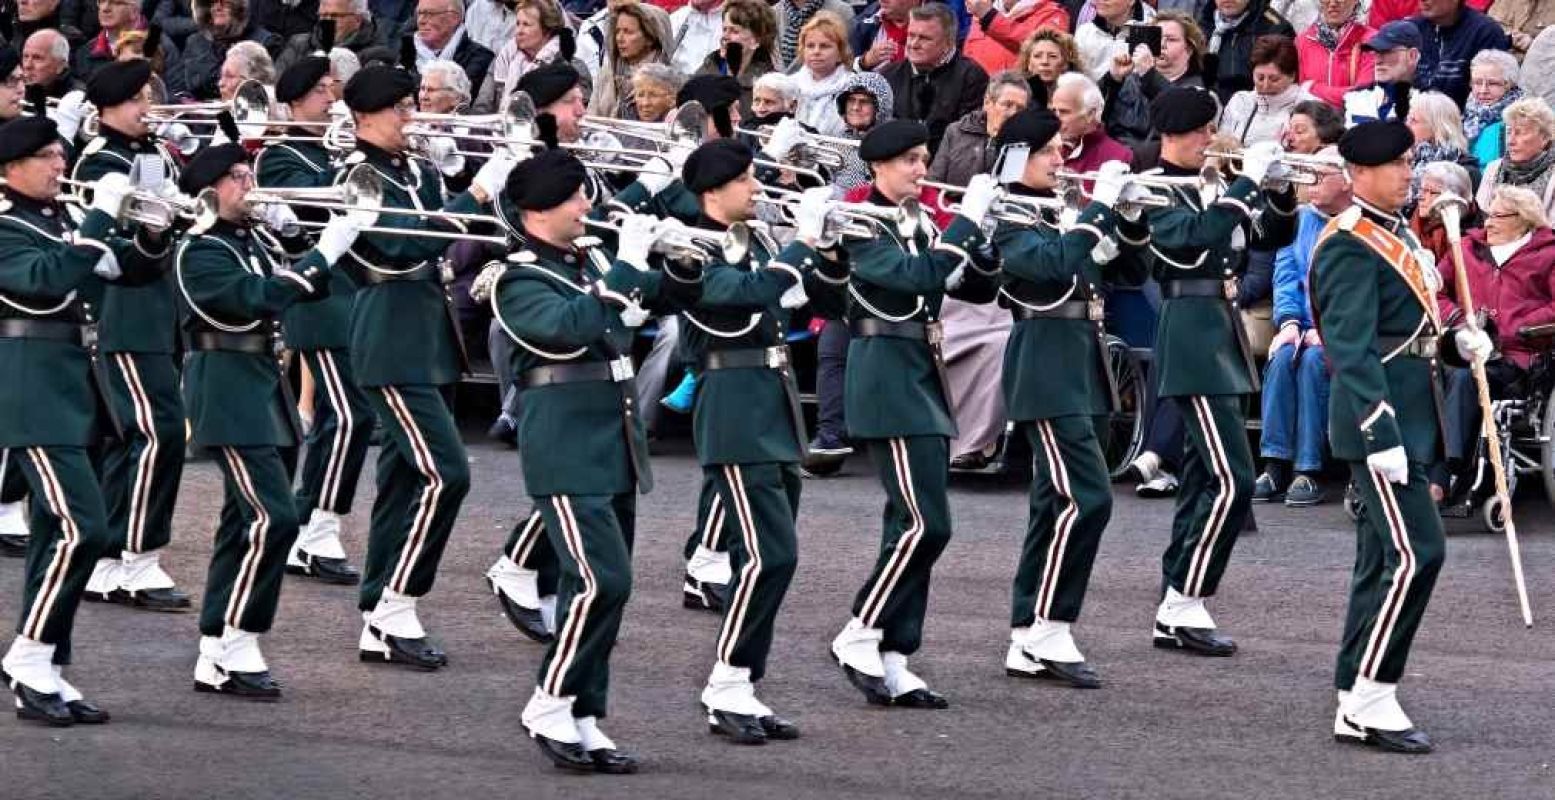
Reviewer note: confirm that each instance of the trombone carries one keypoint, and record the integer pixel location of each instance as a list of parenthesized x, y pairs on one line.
[(813, 148), (360, 195), (686, 127), (141, 207)]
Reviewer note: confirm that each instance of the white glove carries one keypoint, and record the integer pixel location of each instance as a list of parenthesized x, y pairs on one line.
[(179, 137), (677, 155), (493, 175), (1393, 463), (658, 174), (1111, 179), (109, 192), (1259, 158), (785, 135), (440, 151), (1474, 345), (811, 212), (635, 239), (280, 217), (981, 192), (69, 113), (337, 237)]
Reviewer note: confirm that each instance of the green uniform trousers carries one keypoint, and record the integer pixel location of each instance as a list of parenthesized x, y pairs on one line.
[(423, 476), (714, 528), (67, 533), (1398, 554), (915, 527), (529, 547), (13, 484), (1071, 502), (763, 502), (337, 444), (592, 535), (1215, 492), (142, 468), (257, 529)]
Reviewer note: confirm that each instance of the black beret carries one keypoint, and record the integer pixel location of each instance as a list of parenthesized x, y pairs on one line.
[(891, 139), (715, 163), (376, 88), (1035, 127), (118, 82), (545, 180), (545, 85), (712, 91), (1182, 109), (1372, 144), (300, 78), (24, 136), (209, 165), (9, 61)]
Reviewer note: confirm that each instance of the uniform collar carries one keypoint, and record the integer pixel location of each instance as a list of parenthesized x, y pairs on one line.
[(143, 144), (570, 257), (231, 230), (1026, 191), (378, 156), (1393, 222), (1168, 168), (704, 221), (29, 205)]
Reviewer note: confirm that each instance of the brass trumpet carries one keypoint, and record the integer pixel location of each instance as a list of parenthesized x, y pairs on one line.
[(685, 243), (1296, 168)]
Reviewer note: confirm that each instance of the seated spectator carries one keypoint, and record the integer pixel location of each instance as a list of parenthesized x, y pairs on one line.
[(246, 61), (793, 16), (878, 35), (176, 19), (1492, 87), (536, 40), (1508, 266), (221, 24), (116, 18), (1397, 52), (1438, 130), (1452, 34), (654, 87), (1438, 178), (46, 62), (440, 34), (1000, 28), (751, 25), (1295, 381), (1103, 39), (1077, 102), (775, 97), (1134, 81), (285, 18), (1234, 27), (639, 34), (824, 58), (1260, 114), (37, 15), (1047, 55), (934, 85), (1332, 58), (355, 30), (698, 27), (342, 65), (968, 147), (863, 102), (490, 22), (1530, 129), (1313, 125)]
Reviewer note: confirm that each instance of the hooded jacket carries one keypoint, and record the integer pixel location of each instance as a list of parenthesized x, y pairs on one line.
[(854, 172)]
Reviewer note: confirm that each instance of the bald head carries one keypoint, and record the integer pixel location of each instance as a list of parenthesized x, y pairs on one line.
[(45, 57)]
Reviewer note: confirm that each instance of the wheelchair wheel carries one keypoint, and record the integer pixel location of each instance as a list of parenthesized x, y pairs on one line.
[(1547, 448), (1127, 434), (1493, 514)]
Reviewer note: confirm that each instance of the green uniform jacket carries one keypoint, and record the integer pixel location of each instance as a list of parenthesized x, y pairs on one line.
[(1378, 400), (675, 201), (403, 331), (742, 415), (1058, 367), (325, 324), (231, 285), (893, 385), (572, 436), (50, 395), (139, 319), (1201, 346)]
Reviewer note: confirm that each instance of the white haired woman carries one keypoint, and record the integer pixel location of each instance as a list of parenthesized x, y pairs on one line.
[(773, 97), (1493, 76), (1438, 128), (1530, 130), (222, 25), (1508, 267), (1436, 179)]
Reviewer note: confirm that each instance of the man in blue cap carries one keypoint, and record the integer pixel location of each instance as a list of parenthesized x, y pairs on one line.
[(1397, 45)]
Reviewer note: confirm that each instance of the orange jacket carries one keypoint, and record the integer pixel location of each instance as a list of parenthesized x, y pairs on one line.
[(995, 48)]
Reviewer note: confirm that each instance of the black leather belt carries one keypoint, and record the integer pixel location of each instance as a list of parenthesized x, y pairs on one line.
[(775, 357), (588, 371), (1423, 346), (1194, 287), (259, 344), (420, 273), (871, 326), (53, 329), (1073, 309)]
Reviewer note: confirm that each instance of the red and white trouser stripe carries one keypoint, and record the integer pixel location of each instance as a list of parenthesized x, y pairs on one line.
[(243, 585), (426, 507), (70, 540), (739, 606), (1063, 526), (345, 425), (571, 633), (1398, 589), (1225, 497), (901, 555), (145, 467)]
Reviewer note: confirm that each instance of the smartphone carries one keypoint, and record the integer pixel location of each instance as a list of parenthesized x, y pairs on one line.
[(1141, 33)]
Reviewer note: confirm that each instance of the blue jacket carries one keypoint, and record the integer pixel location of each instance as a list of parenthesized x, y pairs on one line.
[(1290, 269), (1445, 53)]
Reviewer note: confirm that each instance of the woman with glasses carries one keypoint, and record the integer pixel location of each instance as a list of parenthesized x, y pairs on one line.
[(1530, 132), (1493, 86)]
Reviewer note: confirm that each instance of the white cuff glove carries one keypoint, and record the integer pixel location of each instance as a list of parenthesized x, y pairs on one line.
[(635, 240), (337, 237), (814, 206), (981, 192), (440, 151), (677, 156), (280, 218), (69, 113), (109, 192), (107, 267), (1392, 464), (785, 135), (1474, 345), (493, 174), (658, 174), (1258, 159), (1111, 179)]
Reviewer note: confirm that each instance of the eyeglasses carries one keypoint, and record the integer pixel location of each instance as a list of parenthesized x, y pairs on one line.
[(431, 14), (1502, 215), (405, 108), (241, 175), (1487, 83)]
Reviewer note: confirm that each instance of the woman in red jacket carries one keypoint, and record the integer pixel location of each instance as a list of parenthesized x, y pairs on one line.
[(1000, 27), (1332, 60)]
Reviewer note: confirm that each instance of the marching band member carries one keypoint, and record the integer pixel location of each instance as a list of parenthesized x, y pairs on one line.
[(241, 407), (896, 401), (1373, 298), (52, 276), (404, 349), (748, 425), (1202, 356), (1052, 284), (320, 333), (572, 313), (13, 488), (143, 468)]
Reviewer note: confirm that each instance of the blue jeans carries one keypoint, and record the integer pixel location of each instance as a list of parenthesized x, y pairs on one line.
[(1295, 407)]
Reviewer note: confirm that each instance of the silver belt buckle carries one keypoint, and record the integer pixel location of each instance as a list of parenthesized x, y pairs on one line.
[(1095, 309), (621, 369), (934, 332), (89, 335), (777, 357), (1229, 286), (445, 272)]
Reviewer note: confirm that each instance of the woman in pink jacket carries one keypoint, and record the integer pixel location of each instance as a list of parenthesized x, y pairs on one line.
[(1000, 27), (1332, 61)]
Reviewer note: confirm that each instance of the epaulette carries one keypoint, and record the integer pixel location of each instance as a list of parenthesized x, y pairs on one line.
[(1348, 218), (97, 143)]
